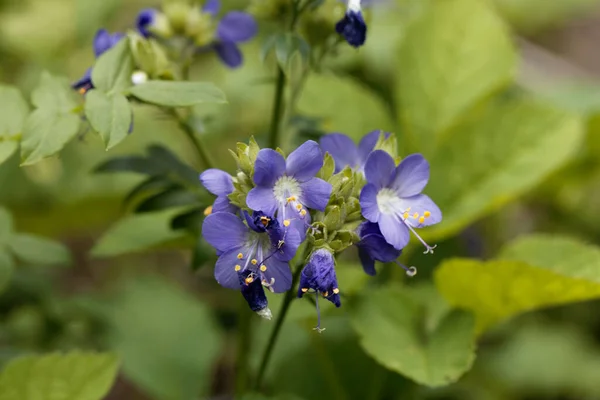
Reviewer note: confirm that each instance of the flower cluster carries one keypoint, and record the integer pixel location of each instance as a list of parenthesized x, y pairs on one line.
[(325, 197)]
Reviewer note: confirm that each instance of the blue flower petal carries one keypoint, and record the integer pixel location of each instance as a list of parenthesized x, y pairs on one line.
[(104, 41), (280, 271), (394, 230), (85, 82), (269, 166), (368, 203), (319, 275), (216, 181), (315, 193), (145, 19), (411, 176), (253, 292), (262, 199), (367, 144), (225, 272), (379, 169), (229, 53), (366, 261), (304, 162), (342, 149), (421, 205), (224, 231), (222, 204), (212, 7), (353, 28), (236, 26), (375, 245)]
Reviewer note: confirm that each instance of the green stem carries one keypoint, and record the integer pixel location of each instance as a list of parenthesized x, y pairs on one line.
[(194, 139), (277, 109), (244, 340)]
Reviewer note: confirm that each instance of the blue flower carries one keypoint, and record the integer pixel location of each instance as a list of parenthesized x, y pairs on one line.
[(103, 41), (151, 21), (260, 246), (219, 183), (373, 247), (392, 197), (235, 27), (353, 27), (288, 187), (346, 153), (318, 276)]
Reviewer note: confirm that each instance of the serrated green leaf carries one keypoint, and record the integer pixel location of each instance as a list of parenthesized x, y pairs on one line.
[(7, 149), (45, 133), (137, 232), (37, 250), (390, 325), (178, 94), (109, 115), (505, 150), (113, 69), (456, 53), (54, 93), (175, 361), (7, 265), (77, 375), (13, 112), (497, 290)]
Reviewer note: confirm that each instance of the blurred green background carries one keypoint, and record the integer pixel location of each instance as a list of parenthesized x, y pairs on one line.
[(175, 328)]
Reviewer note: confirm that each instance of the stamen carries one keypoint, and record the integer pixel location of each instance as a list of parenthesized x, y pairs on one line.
[(286, 222), (82, 90), (240, 256), (269, 285), (326, 293), (416, 215), (254, 261), (303, 213), (421, 220), (290, 199), (208, 211), (263, 267), (265, 221), (298, 206), (410, 271), (405, 215), (336, 291), (429, 249), (237, 268), (304, 290), (318, 327), (427, 214), (249, 279)]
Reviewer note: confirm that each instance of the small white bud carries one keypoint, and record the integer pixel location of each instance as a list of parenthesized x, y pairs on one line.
[(139, 77), (265, 313)]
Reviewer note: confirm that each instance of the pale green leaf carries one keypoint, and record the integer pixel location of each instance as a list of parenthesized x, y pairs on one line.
[(6, 225), (113, 69), (45, 133), (456, 53), (497, 290), (7, 149), (13, 112), (390, 324), (344, 105), (37, 250), (137, 232), (178, 94), (506, 149), (7, 265), (167, 339), (54, 93), (71, 376), (109, 115)]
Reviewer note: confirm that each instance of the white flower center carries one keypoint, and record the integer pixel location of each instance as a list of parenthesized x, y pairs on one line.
[(286, 187), (388, 202)]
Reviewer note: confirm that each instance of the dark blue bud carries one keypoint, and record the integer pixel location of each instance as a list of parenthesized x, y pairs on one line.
[(353, 28), (145, 20), (252, 290), (319, 275)]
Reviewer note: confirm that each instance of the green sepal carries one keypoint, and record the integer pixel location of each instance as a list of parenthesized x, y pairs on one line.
[(389, 145), (328, 168), (149, 56)]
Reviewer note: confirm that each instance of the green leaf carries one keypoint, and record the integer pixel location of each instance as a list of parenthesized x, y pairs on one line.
[(497, 290), (174, 362), (7, 149), (38, 250), (7, 266), (45, 133), (510, 146), (136, 164), (13, 112), (76, 375), (172, 197), (109, 115), (137, 232), (455, 54), (170, 161), (178, 94), (54, 93), (6, 225), (391, 327), (112, 72)]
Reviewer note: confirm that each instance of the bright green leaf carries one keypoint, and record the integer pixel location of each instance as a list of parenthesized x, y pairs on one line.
[(7, 265), (112, 72), (72, 376), (54, 93), (45, 133), (109, 115), (497, 290), (505, 150), (167, 339), (38, 250), (455, 54), (13, 112), (137, 232), (390, 324), (178, 94)]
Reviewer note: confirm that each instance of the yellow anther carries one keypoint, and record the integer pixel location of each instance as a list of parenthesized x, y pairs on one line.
[(240, 256), (303, 213), (304, 290), (249, 280), (82, 90), (408, 209), (286, 222), (336, 291), (207, 211), (290, 199), (421, 220), (237, 268), (325, 294), (416, 215), (427, 214), (254, 261), (405, 215), (298, 207), (263, 268)]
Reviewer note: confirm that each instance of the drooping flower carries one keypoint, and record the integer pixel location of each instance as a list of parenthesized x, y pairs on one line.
[(103, 41), (373, 247), (289, 187), (219, 183), (318, 276), (254, 293), (353, 27), (345, 152), (256, 251), (392, 197)]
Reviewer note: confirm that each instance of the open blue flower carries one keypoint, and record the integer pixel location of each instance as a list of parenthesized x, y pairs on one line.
[(392, 197), (346, 153), (103, 41), (219, 183), (353, 27), (289, 187), (318, 276), (260, 246), (373, 247)]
